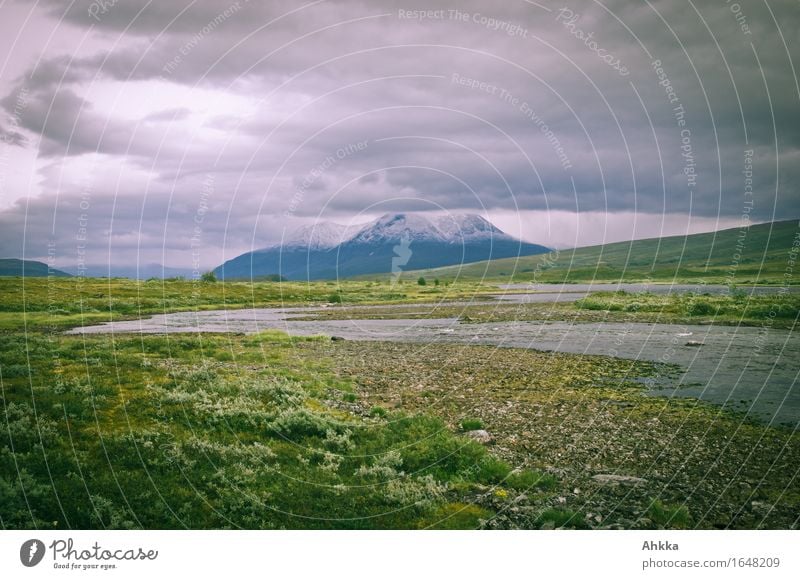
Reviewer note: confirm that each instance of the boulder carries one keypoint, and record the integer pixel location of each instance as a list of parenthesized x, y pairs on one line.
[(481, 436)]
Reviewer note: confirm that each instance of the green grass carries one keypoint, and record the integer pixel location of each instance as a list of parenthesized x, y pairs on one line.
[(68, 302), (456, 516), (561, 519), (208, 431), (760, 255), (779, 310), (666, 516), (529, 479), (471, 424), (274, 431), (170, 432)]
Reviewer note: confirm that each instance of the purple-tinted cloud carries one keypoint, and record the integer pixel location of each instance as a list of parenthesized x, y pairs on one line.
[(656, 108)]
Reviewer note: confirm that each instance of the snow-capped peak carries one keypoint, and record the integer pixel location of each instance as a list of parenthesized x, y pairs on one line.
[(467, 227), (394, 227), (320, 235)]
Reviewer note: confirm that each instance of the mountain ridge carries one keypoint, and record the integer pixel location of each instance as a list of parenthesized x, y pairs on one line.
[(13, 267), (373, 247)]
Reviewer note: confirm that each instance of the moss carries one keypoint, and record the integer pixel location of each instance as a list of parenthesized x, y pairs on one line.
[(471, 424), (270, 431), (168, 432), (529, 480), (455, 516), (561, 519), (670, 517)]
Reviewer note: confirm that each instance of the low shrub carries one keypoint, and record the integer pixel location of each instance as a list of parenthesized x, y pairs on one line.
[(471, 424), (527, 480), (561, 519), (676, 517), (700, 308)]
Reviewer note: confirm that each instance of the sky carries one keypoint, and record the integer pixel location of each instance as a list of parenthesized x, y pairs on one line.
[(187, 132)]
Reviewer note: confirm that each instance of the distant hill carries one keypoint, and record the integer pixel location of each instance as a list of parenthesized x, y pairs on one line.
[(758, 254), (132, 271), (402, 240), (28, 268)]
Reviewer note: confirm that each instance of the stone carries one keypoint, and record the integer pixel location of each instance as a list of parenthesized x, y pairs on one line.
[(481, 436), (548, 526), (618, 479)]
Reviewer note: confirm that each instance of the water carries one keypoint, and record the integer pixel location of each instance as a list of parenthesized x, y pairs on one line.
[(749, 369)]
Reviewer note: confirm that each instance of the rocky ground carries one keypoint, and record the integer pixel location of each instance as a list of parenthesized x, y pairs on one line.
[(621, 459)]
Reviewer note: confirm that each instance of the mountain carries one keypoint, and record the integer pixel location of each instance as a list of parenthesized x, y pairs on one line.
[(468, 227), (28, 268), (762, 253), (319, 236), (132, 271), (392, 228), (402, 241)]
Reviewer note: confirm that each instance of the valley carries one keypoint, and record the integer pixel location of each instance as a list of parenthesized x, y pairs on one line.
[(269, 420), (458, 397)]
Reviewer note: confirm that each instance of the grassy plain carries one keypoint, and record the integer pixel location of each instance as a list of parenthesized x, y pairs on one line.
[(269, 431), (204, 431), (779, 310), (68, 302)]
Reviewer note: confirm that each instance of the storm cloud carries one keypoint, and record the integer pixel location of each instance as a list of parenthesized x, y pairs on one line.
[(176, 131)]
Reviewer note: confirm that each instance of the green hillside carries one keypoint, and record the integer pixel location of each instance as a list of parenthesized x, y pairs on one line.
[(759, 254), (28, 268)]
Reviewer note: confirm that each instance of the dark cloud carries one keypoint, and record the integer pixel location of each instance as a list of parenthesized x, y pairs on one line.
[(495, 107), (145, 17)]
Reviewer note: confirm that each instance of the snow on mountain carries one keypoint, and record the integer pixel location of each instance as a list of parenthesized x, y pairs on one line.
[(318, 236), (394, 227), (463, 228), (331, 251), (468, 227)]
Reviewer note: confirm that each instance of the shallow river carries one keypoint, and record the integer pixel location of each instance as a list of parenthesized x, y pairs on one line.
[(749, 369)]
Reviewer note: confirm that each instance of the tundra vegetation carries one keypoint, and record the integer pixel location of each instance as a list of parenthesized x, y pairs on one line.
[(273, 431), (759, 254), (735, 308)]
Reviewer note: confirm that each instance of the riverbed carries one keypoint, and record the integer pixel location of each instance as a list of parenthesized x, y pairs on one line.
[(750, 370)]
